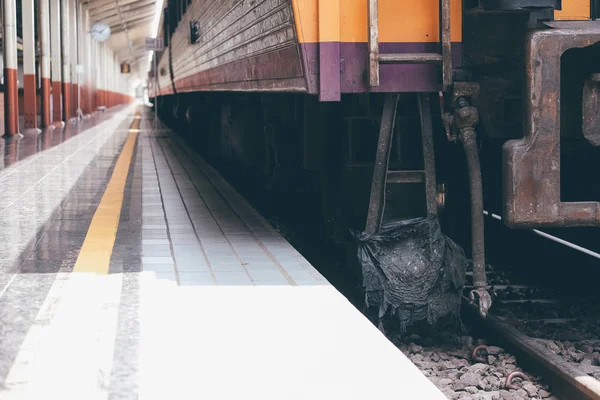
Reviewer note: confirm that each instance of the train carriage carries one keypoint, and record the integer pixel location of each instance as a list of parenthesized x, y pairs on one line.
[(367, 96)]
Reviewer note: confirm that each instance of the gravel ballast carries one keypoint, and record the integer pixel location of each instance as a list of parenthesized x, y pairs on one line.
[(447, 362)]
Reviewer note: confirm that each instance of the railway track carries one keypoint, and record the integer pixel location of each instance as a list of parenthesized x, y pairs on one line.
[(552, 334)]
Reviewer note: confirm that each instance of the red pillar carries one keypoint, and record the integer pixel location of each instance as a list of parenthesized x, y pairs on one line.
[(11, 101), (46, 118), (66, 92), (56, 101), (29, 101), (11, 91), (55, 38), (65, 24), (74, 87)]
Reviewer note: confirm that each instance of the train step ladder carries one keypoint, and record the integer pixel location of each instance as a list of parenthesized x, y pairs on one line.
[(382, 175), (444, 58)]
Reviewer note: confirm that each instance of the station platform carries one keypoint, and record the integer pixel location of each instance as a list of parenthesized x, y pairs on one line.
[(132, 270)]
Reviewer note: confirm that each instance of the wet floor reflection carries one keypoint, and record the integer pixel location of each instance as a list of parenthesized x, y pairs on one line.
[(35, 184), (15, 149)]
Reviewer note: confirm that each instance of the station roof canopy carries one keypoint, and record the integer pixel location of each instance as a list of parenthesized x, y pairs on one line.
[(130, 21)]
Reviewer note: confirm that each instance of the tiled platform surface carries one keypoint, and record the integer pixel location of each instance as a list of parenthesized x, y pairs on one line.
[(203, 300), (198, 230), (37, 173)]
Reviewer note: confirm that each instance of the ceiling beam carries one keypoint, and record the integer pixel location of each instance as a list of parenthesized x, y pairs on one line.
[(128, 8), (118, 20), (98, 6), (133, 23), (135, 53)]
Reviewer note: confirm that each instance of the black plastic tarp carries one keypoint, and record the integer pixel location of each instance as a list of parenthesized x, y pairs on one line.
[(411, 272)]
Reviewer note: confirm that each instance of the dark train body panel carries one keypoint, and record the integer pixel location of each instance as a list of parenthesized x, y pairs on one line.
[(284, 87)]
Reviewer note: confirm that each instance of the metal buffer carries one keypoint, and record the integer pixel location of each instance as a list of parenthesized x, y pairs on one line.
[(382, 175), (444, 58)]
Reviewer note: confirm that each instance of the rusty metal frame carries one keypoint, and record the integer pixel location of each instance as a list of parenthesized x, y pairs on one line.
[(373, 43), (531, 165), (380, 170), (590, 107), (428, 153), (446, 43)]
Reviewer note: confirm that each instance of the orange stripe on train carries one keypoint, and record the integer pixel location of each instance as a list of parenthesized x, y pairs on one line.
[(574, 10), (399, 20)]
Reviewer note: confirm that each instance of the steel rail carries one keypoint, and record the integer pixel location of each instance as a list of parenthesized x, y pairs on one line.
[(565, 380)]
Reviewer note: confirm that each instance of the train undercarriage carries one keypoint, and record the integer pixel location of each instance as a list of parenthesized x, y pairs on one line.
[(516, 131)]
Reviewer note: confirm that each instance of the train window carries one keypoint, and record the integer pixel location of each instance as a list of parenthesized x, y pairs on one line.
[(172, 7), (166, 30), (194, 32)]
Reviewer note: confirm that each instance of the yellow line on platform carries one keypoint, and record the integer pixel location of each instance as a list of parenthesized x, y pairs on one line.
[(100, 239)]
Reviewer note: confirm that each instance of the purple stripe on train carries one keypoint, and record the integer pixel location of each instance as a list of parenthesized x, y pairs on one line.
[(353, 72)]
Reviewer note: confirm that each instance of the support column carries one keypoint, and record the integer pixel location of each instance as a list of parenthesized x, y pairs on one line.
[(101, 73), (56, 62), (89, 67), (82, 78), (11, 91), (94, 79), (29, 83), (109, 72), (113, 80), (66, 63), (74, 57), (106, 70), (44, 35), (93, 66)]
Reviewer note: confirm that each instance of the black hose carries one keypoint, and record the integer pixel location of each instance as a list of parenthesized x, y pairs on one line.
[(468, 138)]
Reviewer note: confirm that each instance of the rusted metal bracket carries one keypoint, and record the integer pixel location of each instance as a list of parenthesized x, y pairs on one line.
[(531, 165), (380, 170), (467, 90), (590, 107)]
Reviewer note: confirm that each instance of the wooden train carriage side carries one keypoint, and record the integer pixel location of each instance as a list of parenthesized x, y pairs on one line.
[(165, 84), (309, 46), (235, 45)]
